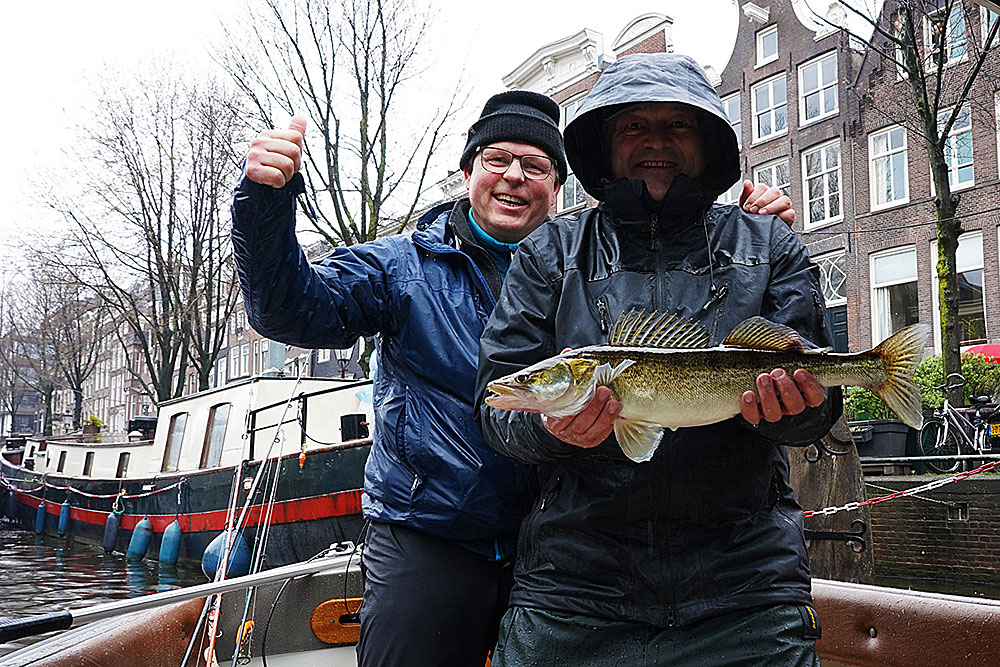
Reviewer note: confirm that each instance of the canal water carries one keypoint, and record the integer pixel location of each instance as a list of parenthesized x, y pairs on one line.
[(42, 575)]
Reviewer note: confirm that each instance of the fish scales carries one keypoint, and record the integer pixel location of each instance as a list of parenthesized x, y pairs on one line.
[(661, 370)]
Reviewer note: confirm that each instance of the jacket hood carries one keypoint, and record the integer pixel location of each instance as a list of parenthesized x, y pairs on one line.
[(641, 78)]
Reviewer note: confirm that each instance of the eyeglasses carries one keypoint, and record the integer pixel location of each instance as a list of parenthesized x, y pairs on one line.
[(498, 161)]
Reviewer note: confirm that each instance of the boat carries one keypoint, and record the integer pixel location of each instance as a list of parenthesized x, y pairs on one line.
[(282, 452)]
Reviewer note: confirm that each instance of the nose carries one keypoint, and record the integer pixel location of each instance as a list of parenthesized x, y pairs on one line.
[(514, 172), (659, 136)]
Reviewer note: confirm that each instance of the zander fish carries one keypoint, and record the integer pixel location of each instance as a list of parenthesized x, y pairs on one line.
[(664, 374)]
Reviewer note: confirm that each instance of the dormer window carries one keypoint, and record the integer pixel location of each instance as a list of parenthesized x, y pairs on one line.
[(767, 45)]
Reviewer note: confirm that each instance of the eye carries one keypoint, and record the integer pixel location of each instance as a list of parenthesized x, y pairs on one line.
[(522, 378), (631, 127)]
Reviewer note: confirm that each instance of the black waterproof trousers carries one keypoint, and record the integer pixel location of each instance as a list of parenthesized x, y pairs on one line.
[(428, 602), (779, 636)]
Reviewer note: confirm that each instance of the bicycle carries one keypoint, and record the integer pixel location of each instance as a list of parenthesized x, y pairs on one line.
[(948, 432)]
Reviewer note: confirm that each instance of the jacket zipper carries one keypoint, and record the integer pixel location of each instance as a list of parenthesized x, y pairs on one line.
[(602, 310)]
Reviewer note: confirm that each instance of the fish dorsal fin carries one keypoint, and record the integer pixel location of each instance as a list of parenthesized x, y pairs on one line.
[(757, 333), (637, 328)]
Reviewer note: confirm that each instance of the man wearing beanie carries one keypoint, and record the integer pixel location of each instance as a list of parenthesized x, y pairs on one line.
[(444, 509)]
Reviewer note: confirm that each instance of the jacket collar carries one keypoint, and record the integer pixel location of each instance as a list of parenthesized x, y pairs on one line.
[(628, 202)]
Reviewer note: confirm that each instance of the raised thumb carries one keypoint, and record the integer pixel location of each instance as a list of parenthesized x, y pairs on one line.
[(298, 123)]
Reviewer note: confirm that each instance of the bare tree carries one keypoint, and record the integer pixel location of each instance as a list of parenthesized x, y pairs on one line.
[(12, 388), (151, 243), (346, 65), (934, 46)]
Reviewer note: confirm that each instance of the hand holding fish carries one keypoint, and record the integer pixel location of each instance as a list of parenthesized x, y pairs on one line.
[(276, 155), (589, 427), (779, 394)]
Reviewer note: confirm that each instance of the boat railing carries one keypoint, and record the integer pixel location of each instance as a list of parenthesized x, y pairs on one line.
[(301, 403)]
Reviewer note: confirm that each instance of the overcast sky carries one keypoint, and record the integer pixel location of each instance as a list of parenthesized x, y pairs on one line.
[(52, 51)]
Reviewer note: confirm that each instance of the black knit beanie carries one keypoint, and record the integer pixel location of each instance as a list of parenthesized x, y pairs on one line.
[(523, 116)]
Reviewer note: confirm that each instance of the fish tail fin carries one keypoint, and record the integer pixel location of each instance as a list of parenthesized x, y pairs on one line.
[(901, 353), (638, 438)]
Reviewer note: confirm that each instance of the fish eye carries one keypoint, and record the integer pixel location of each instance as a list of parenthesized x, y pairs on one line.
[(522, 378)]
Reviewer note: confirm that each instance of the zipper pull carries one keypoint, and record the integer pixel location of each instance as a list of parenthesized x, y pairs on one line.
[(602, 309), (715, 294)]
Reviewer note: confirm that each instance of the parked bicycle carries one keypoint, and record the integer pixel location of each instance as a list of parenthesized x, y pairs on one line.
[(952, 431)]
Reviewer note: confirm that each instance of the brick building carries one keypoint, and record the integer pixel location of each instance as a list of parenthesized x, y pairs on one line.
[(893, 279)]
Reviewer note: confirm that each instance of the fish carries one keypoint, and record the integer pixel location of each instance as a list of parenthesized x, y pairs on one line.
[(661, 369)]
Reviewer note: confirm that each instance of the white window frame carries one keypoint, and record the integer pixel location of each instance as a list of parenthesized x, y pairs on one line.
[(984, 27), (809, 222), (953, 141), (948, 45), (771, 166), (877, 334), (571, 180), (890, 152), (996, 121), (755, 112), (974, 237), (322, 356), (738, 125), (823, 89), (829, 257), (761, 35)]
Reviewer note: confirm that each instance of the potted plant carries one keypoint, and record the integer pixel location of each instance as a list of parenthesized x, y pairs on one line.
[(92, 425)]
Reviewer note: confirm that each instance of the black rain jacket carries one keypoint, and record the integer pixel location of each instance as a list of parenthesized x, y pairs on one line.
[(710, 523)]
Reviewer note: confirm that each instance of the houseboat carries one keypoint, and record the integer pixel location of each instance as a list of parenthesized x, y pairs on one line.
[(282, 453)]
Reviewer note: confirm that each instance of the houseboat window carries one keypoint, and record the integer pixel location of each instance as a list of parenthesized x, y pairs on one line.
[(122, 464), (61, 466), (175, 439), (88, 464), (211, 451), (31, 452)]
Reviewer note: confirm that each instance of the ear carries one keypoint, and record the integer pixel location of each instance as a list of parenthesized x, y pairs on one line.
[(556, 187), (467, 174)]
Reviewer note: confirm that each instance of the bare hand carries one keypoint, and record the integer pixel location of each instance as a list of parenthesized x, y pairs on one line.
[(767, 200), (276, 155), (591, 426), (780, 394)]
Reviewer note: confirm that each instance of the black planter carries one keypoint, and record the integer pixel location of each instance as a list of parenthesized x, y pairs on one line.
[(880, 437)]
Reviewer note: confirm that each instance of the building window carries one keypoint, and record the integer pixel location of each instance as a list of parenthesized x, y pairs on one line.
[(88, 464), (821, 180), (833, 277), (572, 194), (818, 88), (245, 359), (234, 361), (774, 174), (971, 308), (122, 470), (220, 373), (888, 172), (987, 17), (322, 356), (61, 466), (954, 48), (731, 105), (215, 436), (732, 195), (958, 148), (770, 108), (894, 292), (767, 45), (265, 346), (175, 440), (256, 356)]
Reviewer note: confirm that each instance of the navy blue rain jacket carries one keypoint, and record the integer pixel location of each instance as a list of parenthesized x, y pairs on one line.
[(427, 302)]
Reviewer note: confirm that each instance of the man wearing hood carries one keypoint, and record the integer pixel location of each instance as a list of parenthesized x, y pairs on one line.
[(697, 556)]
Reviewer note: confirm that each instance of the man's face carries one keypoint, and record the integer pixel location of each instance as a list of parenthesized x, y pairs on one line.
[(509, 206), (656, 142)]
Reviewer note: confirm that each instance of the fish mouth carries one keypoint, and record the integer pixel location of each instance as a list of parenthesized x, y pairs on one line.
[(506, 397)]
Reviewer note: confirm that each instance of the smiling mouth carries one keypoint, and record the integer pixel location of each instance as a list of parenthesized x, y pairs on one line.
[(509, 200), (656, 164)]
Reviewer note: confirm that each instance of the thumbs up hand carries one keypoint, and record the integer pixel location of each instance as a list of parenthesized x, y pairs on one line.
[(276, 155)]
